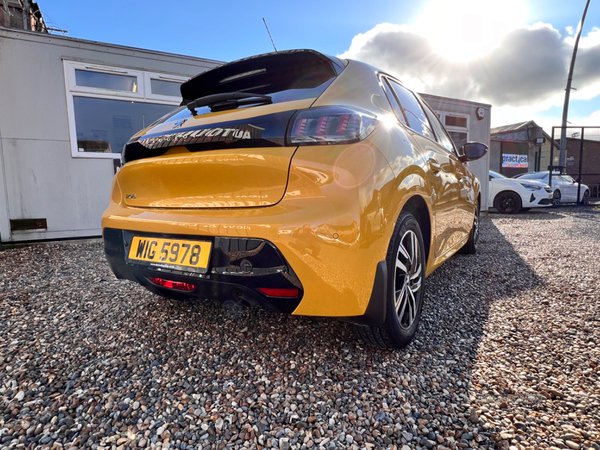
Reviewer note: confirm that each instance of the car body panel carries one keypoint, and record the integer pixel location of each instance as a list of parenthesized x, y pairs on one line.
[(315, 203), (233, 178), (302, 226), (451, 225)]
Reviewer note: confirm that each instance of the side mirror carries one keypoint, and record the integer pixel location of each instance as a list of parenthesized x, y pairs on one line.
[(472, 151)]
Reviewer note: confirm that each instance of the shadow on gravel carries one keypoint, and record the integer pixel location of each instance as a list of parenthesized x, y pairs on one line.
[(124, 363)]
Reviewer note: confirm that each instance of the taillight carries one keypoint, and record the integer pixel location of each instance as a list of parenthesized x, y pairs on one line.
[(172, 284), (329, 125)]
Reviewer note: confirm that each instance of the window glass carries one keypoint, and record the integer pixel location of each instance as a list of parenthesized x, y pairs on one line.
[(395, 105), (103, 80), (568, 178), (535, 175), (412, 110), (455, 121), (162, 87), (107, 105), (496, 175), (440, 132), (458, 137), (104, 125)]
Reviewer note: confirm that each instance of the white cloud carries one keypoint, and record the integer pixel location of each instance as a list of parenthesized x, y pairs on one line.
[(525, 73)]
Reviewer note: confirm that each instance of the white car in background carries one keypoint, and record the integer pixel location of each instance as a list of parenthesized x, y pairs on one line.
[(510, 195), (564, 187)]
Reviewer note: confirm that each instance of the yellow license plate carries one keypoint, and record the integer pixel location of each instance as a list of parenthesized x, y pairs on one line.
[(170, 252)]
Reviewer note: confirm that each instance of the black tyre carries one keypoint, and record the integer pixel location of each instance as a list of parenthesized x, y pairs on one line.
[(507, 202), (470, 248), (406, 282), (556, 198), (585, 200)]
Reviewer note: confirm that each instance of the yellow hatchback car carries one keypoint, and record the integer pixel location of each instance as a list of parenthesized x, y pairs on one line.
[(302, 183)]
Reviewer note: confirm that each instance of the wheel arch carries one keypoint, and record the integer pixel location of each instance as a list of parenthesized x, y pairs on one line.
[(417, 206)]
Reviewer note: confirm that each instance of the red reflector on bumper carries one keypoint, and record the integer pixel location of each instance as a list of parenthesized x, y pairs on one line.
[(290, 293), (173, 284)]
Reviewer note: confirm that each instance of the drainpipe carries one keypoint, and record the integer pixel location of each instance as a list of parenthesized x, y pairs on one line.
[(26, 10)]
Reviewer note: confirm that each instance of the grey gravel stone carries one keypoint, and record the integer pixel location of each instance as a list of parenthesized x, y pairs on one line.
[(507, 355)]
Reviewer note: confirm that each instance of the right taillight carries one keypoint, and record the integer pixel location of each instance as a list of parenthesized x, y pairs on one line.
[(329, 125)]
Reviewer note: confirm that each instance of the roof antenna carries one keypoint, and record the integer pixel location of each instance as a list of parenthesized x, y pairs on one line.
[(267, 27)]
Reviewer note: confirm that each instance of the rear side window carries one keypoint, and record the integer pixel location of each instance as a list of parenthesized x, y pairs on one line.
[(412, 110), (395, 105)]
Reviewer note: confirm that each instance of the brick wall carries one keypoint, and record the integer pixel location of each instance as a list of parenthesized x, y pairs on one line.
[(591, 161)]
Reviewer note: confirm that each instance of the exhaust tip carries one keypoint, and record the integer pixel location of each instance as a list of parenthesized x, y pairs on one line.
[(234, 309)]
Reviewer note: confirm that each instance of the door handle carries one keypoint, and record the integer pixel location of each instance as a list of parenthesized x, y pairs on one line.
[(434, 166)]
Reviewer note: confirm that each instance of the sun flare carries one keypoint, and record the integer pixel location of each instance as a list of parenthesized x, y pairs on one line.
[(461, 30)]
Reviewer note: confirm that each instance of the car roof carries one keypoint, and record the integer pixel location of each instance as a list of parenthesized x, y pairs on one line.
[(535, 175)]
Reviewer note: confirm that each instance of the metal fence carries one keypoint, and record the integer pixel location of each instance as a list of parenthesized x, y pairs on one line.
[(584, 172)]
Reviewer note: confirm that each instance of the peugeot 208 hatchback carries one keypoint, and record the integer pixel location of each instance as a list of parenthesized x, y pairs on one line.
[(305, 184)]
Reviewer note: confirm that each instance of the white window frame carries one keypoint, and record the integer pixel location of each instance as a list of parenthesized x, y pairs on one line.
[(149, 76), (442, 115), (143, 95)]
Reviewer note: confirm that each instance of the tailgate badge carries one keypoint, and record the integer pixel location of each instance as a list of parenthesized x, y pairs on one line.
[(179, 124)]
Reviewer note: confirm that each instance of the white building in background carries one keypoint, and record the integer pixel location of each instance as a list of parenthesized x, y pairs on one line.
[(68, 105)]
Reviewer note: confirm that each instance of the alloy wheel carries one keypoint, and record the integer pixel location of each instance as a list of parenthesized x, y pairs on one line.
[(508, 204), (586, 198), (556, 198), (407, 281)]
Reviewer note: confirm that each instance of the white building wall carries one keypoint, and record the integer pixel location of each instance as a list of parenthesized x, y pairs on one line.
[(40, 178)]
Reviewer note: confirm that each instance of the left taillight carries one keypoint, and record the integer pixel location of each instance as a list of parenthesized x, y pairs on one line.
[(329, 125)]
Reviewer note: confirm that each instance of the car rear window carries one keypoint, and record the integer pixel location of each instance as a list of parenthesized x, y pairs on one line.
[(285, 76)]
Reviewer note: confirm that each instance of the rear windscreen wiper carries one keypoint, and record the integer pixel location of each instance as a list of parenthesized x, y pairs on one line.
[(228, 100)]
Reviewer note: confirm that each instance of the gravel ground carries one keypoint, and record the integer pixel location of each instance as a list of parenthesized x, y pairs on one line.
[(506, 356)]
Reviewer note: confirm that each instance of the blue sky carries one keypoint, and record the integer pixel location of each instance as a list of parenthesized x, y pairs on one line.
[(496, 31)]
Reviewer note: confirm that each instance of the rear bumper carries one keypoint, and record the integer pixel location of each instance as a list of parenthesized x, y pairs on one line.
[(226, 280)]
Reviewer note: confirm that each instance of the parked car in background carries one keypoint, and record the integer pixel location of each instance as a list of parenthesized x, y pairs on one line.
[(510, 195), (564, 187), (298, 182)]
